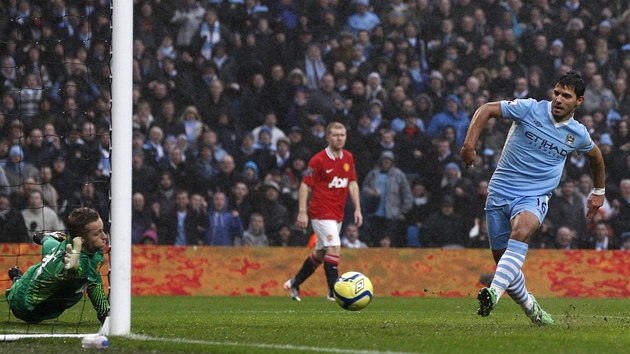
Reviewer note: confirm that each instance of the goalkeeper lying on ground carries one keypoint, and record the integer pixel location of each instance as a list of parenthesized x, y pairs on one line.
[(70, 266)]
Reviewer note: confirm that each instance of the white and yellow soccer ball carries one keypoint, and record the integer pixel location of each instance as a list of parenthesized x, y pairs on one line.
[(353, 291)]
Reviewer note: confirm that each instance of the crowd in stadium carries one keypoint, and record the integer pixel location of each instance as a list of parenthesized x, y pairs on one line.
[(231, 99)]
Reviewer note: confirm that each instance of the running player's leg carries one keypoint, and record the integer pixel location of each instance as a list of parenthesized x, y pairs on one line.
[(499, 229), (308, 268), (328, 233)]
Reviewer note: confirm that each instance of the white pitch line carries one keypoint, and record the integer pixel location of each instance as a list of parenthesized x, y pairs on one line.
[(264, 345)]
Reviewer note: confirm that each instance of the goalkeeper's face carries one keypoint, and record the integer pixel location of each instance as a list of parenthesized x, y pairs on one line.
[(96, 238)]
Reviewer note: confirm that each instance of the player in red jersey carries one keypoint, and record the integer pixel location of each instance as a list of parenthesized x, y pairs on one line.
[(329, 178)]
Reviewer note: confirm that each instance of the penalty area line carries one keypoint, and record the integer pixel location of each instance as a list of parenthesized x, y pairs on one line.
[(263, 345)]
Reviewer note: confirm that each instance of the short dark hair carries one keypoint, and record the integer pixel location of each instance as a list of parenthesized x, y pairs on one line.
[(79, 219), (573, 80)]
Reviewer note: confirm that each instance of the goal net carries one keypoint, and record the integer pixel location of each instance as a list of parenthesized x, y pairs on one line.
[(57, 135)]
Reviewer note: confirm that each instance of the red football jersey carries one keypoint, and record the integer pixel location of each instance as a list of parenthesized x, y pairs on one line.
[(329, 178)]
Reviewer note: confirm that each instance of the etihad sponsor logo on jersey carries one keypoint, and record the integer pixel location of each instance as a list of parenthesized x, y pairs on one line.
[(545, 144), (338, 183)]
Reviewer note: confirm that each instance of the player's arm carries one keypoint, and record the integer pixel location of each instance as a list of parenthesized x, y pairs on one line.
[(477, 124), (97, 296), (302, 217), (598, 172), (353, 189)]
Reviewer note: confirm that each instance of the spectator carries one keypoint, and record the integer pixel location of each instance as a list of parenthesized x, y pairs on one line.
[(87, 196), (38, 217), (144, 177), (182, 225), (275, 213), (171, 124), (187, 19), (444, 228), (192, 124), (264, 152), (451, 115), (141, 220), (271, 121), (479, 235), (387, 191), (64, 180), (143, 119), (154, 152), (414, 149), (223, 228), (255, 235), (385, 241), (289, 237), (595, 92), (49, 192), (12, 224), (17, 168), (362, 19), (19, 199), (208, 35), (211, 105), (602, 239), (227, 177), (565, 238), (312, 66), (202, 169), (566, 209), (351, 238), (322, 100), (163, 199), (422, 204), (256, 103), (149, 237), (620, 223)]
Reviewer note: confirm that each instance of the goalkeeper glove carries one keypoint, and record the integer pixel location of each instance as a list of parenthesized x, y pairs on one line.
[(73, 253)]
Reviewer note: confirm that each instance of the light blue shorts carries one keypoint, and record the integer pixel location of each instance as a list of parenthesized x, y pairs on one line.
[(501, 211)]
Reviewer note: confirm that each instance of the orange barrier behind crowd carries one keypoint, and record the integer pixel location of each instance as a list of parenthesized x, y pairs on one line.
[(200, 271)]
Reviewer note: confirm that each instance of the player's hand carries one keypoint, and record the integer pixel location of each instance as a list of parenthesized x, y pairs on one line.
[(468, 155), (593, 203), (358, 218), (302, 220), (73, 253)]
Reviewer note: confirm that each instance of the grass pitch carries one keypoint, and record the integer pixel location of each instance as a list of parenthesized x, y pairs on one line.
[(388, 325)]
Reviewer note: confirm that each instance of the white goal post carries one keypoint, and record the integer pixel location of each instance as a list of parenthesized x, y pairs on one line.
[(119, 322)]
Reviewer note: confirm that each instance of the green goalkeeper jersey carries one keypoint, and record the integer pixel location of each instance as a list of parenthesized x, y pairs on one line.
[(46, 289)]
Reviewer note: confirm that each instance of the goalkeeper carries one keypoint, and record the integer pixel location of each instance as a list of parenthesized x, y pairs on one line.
[(70, 266)]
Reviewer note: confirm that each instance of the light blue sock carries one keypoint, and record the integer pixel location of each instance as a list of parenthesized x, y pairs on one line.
[(509, 266), (518, 293)]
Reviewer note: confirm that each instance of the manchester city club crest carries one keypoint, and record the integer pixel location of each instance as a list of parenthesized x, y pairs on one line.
[(570, 139)]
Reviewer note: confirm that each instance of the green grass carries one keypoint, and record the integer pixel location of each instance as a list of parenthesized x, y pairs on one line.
[(399, 325)]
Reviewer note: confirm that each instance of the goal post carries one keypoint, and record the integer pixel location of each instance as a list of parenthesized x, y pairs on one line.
[(119, 322)]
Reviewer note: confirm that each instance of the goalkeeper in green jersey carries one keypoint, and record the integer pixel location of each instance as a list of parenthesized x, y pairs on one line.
[(69, 267)]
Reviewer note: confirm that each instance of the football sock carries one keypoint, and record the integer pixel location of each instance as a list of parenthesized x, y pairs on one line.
[(509, 266), (518, 293), (310, 264), (331, 267)]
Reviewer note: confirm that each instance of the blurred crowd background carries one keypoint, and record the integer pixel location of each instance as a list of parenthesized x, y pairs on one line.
[(231, 99)]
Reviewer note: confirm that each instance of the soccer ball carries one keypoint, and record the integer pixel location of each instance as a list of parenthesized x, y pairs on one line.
[(353, 291)]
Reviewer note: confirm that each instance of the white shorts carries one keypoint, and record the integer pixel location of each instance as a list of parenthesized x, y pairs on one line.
[(327, 232)]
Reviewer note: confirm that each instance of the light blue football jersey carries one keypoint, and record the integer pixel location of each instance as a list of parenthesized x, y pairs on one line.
[(535, 149)]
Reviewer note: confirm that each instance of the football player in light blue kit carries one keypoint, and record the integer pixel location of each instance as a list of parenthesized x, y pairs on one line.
[(543, 133)]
